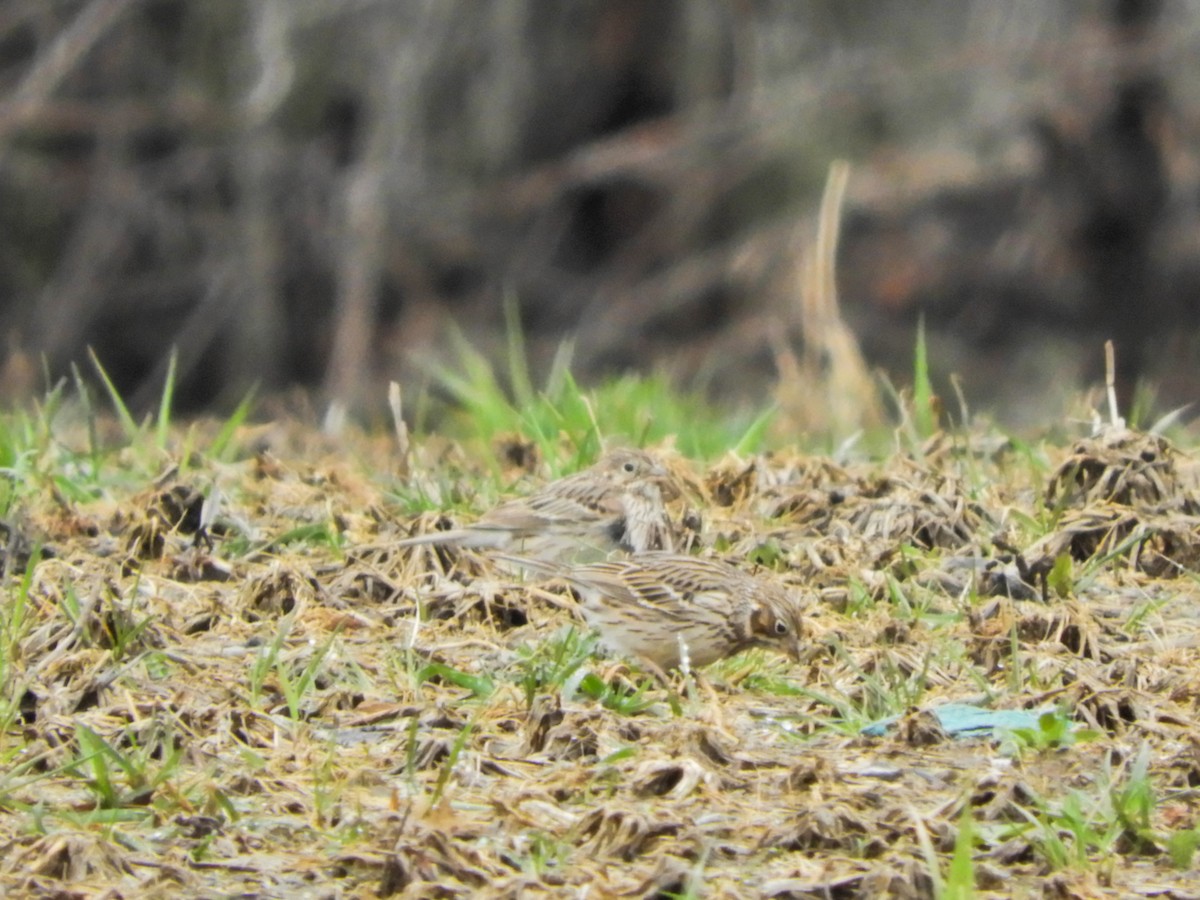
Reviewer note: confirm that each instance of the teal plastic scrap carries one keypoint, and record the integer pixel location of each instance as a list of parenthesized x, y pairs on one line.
[(962, 720)]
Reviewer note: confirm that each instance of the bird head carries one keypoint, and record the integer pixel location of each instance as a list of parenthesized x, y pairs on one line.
[(776, 623), (627, 466)]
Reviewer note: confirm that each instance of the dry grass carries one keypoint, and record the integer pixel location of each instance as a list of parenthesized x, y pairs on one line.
[(271, 701)]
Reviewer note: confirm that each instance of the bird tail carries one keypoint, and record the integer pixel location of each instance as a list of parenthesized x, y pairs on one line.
[(434, 537), (530, 566)]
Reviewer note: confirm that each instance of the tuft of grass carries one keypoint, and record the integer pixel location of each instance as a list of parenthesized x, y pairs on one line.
[(755, 670), (625, 700), (295, 683), (769, 554), (1181, 847), (543, 853), (958, 882), (316, 534), (1055, 730), (124, 780), (569, 424), (1090, 826), (222, 448), (549, 665)]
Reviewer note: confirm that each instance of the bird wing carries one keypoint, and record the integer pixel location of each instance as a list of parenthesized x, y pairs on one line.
[(546, 511), (435, 537), (632, 587), (688, 575)]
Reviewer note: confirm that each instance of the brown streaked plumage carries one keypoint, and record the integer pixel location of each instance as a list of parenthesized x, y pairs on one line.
[(665, 607), (616, 504), (644, 511)]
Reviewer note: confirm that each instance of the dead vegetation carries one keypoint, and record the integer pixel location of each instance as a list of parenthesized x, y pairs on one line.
[(276, 701)]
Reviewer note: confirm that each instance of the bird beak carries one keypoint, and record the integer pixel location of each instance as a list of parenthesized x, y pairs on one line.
[(795, 648), (796, 645)]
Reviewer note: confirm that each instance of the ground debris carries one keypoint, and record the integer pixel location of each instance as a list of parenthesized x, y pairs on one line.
[(301, 706)]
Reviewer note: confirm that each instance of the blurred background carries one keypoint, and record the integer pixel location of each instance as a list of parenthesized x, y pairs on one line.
[(321, 192)]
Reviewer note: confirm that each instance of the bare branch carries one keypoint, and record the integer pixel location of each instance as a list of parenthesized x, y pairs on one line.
[(48, 72)]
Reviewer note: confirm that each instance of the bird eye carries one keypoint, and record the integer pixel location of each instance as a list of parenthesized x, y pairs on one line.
[(780, 627), (630, 467)]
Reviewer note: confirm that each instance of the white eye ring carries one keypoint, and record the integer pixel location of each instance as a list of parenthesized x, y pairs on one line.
[(780, 627)]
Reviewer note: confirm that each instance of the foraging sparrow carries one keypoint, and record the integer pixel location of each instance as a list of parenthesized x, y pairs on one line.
[(665, 608), (615, 504)]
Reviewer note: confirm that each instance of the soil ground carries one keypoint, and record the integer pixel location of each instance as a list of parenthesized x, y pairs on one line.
[(272, 700)]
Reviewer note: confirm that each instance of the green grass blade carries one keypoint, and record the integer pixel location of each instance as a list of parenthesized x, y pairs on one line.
[(560, 368), (92, 750), (85, 399), (923, 396), (221, 444), (456, 750), (163, 425), (479, 685), (960, 879), (128, 425), (755, 434), (518, 359)]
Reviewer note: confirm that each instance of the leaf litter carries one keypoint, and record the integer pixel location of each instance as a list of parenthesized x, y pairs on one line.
[(277, 701)]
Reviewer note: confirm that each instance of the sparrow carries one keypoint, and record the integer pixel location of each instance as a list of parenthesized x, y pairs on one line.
[(674, 611), (616, 504)]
